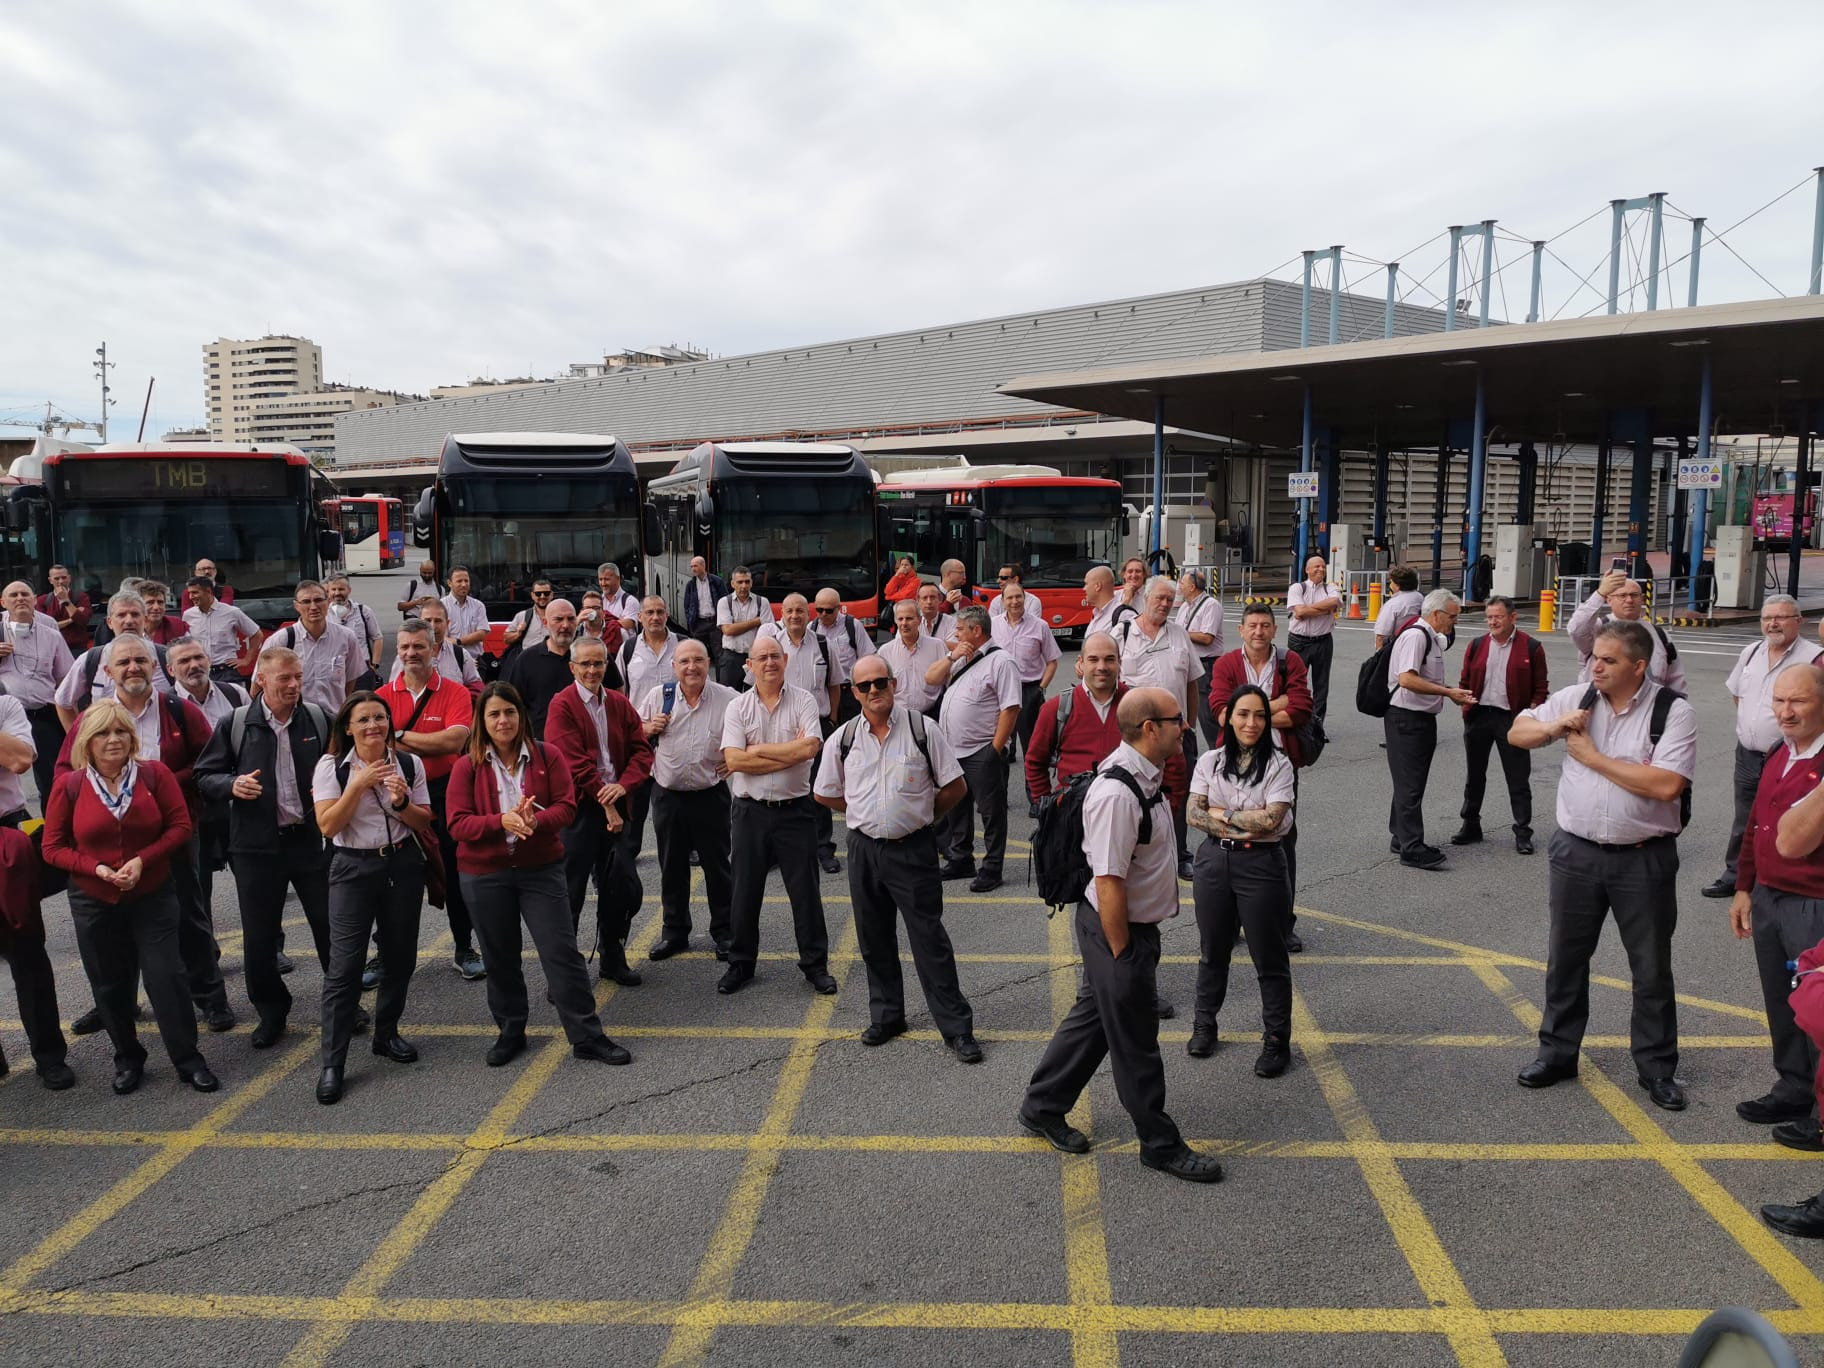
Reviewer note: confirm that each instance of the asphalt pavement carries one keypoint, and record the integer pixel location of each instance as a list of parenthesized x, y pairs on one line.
[(758, 1187)]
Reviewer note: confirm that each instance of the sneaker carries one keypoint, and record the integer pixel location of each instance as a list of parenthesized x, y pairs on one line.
[(469, 965), (370, 974)]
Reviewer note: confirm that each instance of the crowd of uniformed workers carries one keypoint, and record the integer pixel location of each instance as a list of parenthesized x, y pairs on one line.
[(171, 747)]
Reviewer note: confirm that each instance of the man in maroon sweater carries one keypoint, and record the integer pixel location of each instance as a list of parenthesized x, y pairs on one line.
[(1779, 899), (1505, 670), (600, 736), (1089, 733)]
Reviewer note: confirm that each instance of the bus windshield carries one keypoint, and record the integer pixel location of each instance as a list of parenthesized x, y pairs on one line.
[(799, 535), (1054, 535), (257, 545), (509, 531)]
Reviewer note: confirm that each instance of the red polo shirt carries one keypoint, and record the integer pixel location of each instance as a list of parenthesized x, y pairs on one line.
[(450, 705)]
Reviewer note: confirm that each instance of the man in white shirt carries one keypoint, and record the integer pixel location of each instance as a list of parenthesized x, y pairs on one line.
[(1615, 850), (468, 616), (910, 654), (33, 661), (1007, 575), (893, 774), (848, 642), (189, 666), (1200, 614), (334, 658), (771, 738), (933, 621), (422, 590), (356, 617), (223, 629), (1107, 608), (1403, 602), (1415, 677), (978, 712), (701, 595), (689, 795), (528, 629), (85, 681), (616, 601), (1312, 605), (647, 662), (1021, 632), (739, 616), (446, 659), (810, 664), (1157, 652), (1620, 599), (1750, 686)]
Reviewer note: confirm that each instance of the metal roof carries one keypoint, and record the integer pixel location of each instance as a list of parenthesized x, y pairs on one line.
[(1557, 380)]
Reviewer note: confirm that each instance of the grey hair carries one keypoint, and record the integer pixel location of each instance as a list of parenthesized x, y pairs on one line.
[(125, 639), (126, 599), (1636, 641), (1155, 581), (1782, 600), (416, 627), (1197, 578), (1438, 600), (1499, 600), (976, 616), (585, 643), (607, 566)]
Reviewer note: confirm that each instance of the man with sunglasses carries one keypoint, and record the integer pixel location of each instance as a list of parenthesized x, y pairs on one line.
[(1133, 888), (528, 629), (1007, 575)]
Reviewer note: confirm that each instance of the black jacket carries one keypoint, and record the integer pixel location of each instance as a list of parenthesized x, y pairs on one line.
[(253, 823), (717, 592)]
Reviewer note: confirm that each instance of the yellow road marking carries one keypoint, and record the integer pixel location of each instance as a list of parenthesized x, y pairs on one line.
[(1431, 1264), (728, 1245)]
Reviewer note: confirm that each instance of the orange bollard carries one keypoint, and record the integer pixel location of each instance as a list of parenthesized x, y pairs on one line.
[(1374, 599), (1548, 609)]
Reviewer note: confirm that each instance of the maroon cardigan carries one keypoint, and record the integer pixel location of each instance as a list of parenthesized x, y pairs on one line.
[(80, 834), (569, 729), (1229, 671), (471, 806), (1526, 677)]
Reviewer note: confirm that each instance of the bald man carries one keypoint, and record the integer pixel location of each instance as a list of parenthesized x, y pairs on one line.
[(33, 660)]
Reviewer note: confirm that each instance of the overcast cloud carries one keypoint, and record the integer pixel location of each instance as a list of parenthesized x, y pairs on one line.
[(434, 191)]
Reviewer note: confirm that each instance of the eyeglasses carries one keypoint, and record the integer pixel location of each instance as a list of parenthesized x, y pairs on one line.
[(1003, 578), (588, 664), (1175, 720), (541, 593), (826, 612), (872, 685)]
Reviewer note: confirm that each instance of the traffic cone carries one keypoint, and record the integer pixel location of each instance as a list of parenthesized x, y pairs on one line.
[(1355, 606)]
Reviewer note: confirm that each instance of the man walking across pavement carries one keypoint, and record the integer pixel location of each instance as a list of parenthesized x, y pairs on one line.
[(978, 711), (1506, 672), (1312, 605), (1630, 752), (1751, 684), (1133, 887), (893, 773), (1415, 680)]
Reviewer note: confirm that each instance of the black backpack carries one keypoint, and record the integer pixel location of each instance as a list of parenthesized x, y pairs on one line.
[(1057, 845), (1656, 728), (1310, 734), (1373, 696)]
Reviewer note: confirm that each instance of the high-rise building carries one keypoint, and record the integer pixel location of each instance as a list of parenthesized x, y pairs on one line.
[(239, 372), (308, 420)]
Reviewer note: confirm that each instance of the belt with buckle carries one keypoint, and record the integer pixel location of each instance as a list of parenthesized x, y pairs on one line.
[(1232, 843), (775, 802)]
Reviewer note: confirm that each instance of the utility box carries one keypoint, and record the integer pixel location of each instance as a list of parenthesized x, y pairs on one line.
[(1348, 552), (1741, 568), (1519, 561)]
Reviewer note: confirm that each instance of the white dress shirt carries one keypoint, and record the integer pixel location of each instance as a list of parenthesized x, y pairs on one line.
[(687, 754), (1494, 683), (706, 602), (1751, 684), (38, 662), (909, 666), (374, 823), (1167, 661), (1029, 642), (220, 630), (216, 704), (886, 785), (980, 689), (1103, 619), (1597, 808), (749, 722), (1305, 594), (1111, 834), (805, 665), (466, 616), (17, 725), (1421, 650), (597, 710), (1403, 605), (69, 691), (622, 604), (645, 669), (844, 652), (332, 662), (285, 770), (1203, 614), (1592, 615), (731, 610), (1222, 790), (944, 629)]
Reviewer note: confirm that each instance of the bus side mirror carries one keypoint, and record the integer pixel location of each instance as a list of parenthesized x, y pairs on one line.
[(421, 520), (329, 545), (705, 511), (18, 517), (1127, 525), (655, 536)]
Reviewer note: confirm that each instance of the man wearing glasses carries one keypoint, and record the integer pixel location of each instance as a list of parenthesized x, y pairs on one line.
[(1750, 686), (1415, 678), (1006, 575), (528, 629), (1618, 598)]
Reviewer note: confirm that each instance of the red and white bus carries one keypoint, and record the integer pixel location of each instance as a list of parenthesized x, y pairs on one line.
[(1054, 527), (372, 528)]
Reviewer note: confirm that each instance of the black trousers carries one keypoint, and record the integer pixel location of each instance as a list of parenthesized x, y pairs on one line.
[(1412, 739), (1747, 779), (1032, 698), (590, 852), (260, 879), (822, 818), (1206, 719), (762, 835), (368, 890), (455, 906), (122, 941), (888, 877), (1315, 651), (985, 773), (683, 821), (1485, 729), (539, 898), (196, 930), (36, 988), (1116, 1017), (1784, 925), (1246, 887), (731, 669), (1639, 884), (47, 739), (633, 835)]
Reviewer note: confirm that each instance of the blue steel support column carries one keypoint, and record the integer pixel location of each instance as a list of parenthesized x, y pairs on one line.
[(1383, 467), (1478, 472), (1620, 208), (1700, 506), (1697, 251), (1336, 298), (1393, 280), (1305, 465), (1681, 508), (1450, 289), (1329, 489), (1158, 472), (1601, 502), (1532, 312), (1488, 268), (1640, 493), (1304, 305)]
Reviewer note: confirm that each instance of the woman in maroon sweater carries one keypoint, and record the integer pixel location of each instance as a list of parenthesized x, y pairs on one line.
[(113, 824), (508, 803)]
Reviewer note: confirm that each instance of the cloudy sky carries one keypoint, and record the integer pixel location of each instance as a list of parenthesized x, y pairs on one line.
[(437, 191)]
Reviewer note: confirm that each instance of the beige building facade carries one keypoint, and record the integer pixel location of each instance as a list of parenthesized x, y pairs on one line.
[(240, 372)]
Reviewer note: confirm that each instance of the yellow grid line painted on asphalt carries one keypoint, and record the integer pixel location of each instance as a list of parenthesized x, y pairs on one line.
[(1779, 1263), (1432, 1268), (734, 1234)]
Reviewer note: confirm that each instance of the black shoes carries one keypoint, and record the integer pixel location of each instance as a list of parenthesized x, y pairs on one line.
[(880, 1032), (1541, 1074), (1769, 1110), (90, 1021), (283, 962), (267, 1034), (820, 981), (669, 946), (127, 1078), (1806, 1220), (965, 1048), (469, 965), (828, 863), (1720, 887), (1666, 1094), (218, 1019), (395, 1048), (737, 978), (1032, 811), (1799, 1135), (1184, 871), (200, 1078), (1428, 858), (362, 1021), (1186, 1164), (722, 949), (1393, 845), (1202, 1043), (957, 869), (621, 974), (1275, 1057), (56, 1077), (505, 1050), (602, 1050), (1523, 845), (1294, 946), (1057, 1132), (329, 1086), (1162, 1006), (1467, 835), (984, 882), (370, 974)]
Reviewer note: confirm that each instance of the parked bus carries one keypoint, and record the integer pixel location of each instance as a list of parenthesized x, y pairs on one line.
[(372, 528), (512, 507), (800, 515), (141, 508), (1054, 527)]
